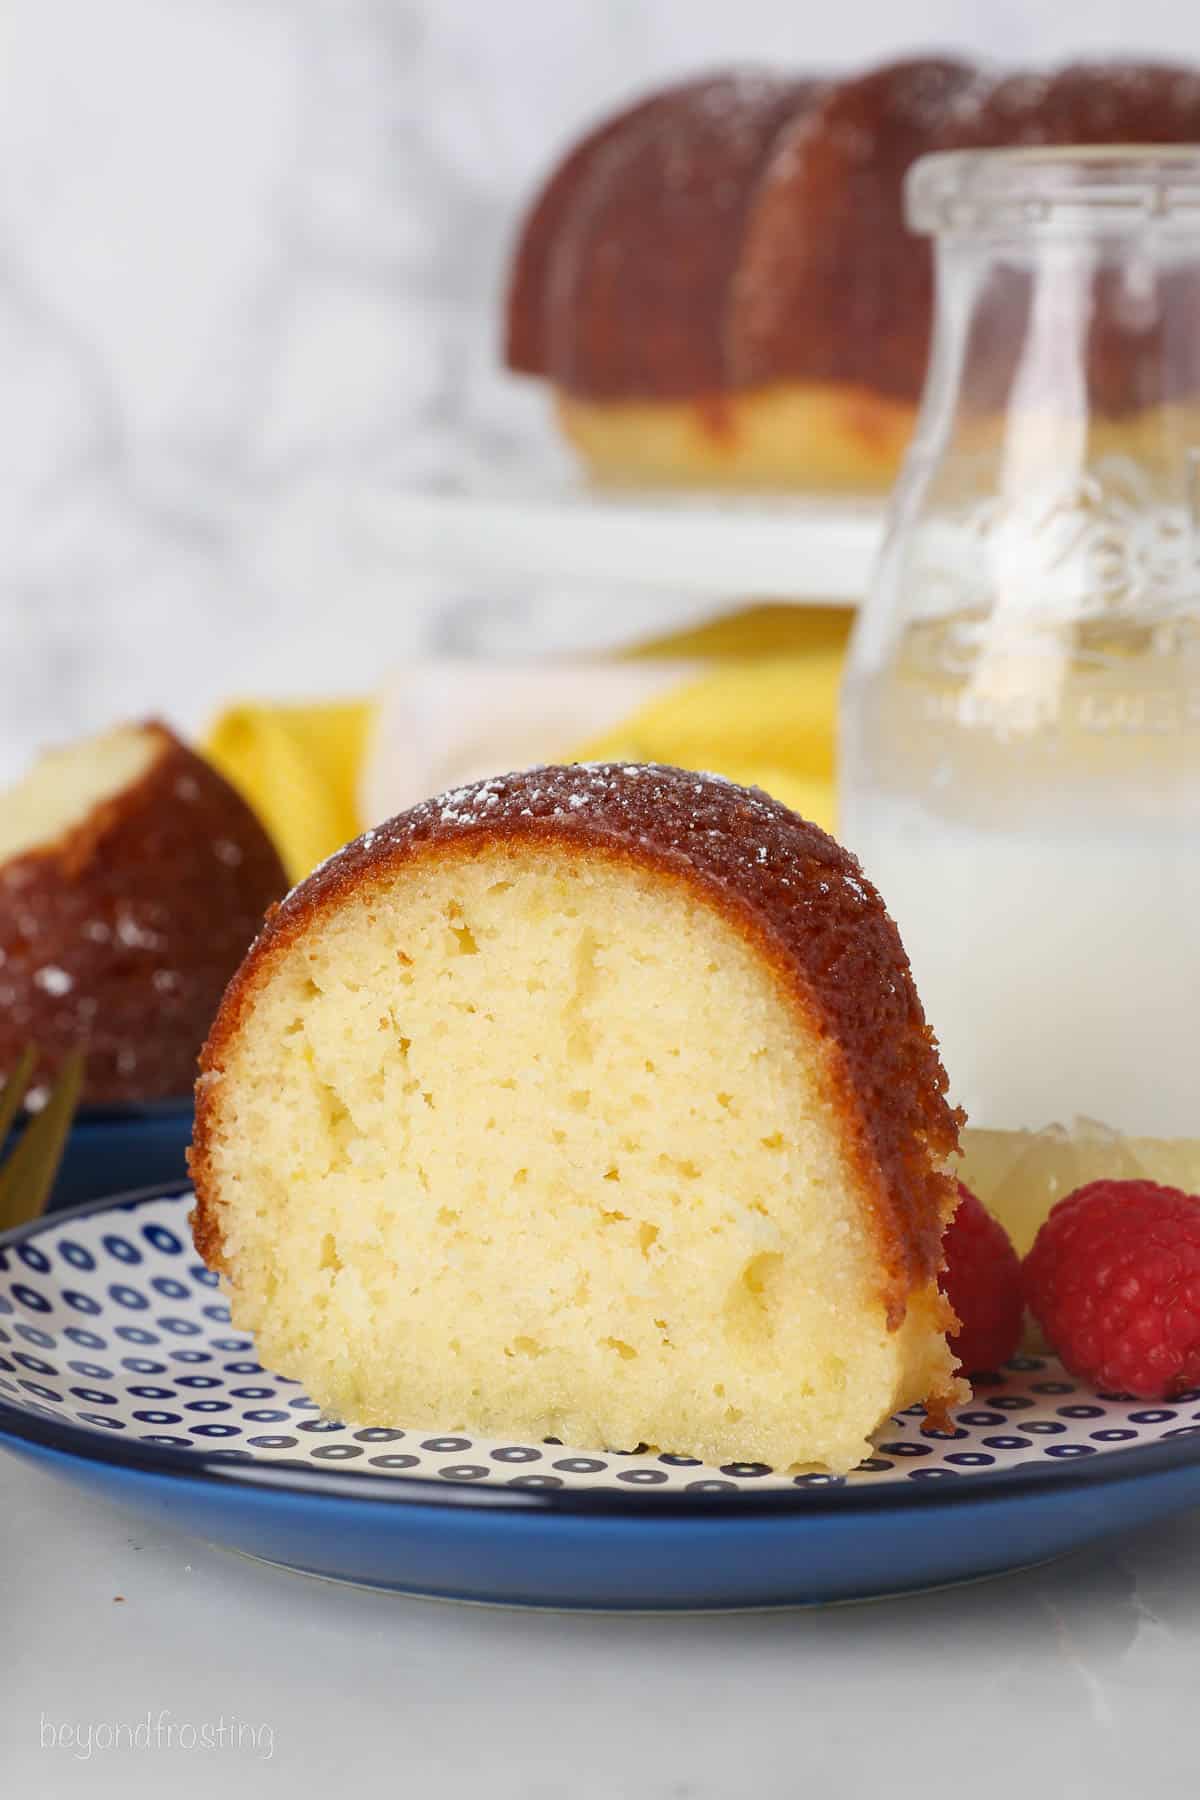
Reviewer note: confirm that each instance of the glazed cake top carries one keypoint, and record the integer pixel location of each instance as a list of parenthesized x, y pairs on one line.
[(744, 229)]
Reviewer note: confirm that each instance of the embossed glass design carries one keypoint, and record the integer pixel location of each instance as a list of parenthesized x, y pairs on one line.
[(1020, 757)]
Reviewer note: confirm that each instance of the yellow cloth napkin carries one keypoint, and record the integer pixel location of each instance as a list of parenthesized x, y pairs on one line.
[(761, 709), (298, 766), (765, 713)]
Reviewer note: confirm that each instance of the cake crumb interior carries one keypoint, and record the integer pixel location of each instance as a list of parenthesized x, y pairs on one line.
[(533, 1144), (65, 785)]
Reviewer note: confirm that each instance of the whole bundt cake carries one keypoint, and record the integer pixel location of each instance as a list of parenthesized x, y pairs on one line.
[(132, 879), (594, 1102), (719, 284)]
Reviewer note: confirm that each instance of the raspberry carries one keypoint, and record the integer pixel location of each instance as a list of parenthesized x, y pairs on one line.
[(1113, 1279), (982, 1281)]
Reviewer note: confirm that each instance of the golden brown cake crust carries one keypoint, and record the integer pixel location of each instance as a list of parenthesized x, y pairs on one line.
[(122, 935), (743, 232), (787, 886), (525, 316), (646, 256), (831, 285)]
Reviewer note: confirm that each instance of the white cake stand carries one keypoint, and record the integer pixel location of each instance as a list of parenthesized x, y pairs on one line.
[(595, 565)]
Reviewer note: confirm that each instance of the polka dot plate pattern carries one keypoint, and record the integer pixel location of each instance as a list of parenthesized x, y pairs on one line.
[(110, 1323)]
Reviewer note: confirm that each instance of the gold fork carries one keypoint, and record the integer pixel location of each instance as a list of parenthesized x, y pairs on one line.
[(27, 1174)]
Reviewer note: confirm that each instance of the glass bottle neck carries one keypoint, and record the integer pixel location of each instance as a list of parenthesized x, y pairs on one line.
[(1052, 353)]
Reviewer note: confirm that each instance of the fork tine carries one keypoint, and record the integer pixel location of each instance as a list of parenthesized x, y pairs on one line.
[(28, 1175), (13, 1091)]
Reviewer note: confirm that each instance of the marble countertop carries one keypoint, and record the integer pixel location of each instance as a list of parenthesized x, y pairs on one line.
[(1073, 1680)]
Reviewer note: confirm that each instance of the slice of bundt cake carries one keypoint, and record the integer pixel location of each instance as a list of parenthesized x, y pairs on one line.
[(595, 1102), (132, 878)]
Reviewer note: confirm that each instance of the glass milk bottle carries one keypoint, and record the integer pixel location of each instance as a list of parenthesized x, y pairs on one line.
[(1020, 757)]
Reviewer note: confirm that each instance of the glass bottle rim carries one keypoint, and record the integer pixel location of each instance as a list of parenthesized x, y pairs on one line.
[(1089, 188)]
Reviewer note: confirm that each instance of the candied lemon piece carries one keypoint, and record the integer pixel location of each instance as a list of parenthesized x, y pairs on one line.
[(1020, 1174)]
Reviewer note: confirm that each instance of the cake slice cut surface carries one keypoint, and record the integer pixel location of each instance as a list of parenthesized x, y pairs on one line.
[(132, 879), (594, 1103), (65, 786)]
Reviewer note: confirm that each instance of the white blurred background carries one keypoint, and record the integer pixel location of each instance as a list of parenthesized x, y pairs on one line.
[(251, 254)]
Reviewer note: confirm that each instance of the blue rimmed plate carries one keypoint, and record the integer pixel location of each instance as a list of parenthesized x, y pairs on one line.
[(120, 1371)]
